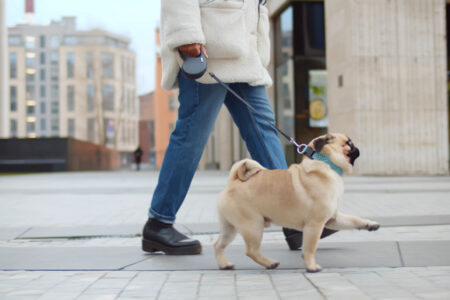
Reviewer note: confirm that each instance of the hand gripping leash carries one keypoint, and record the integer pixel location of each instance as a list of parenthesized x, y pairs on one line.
[(301, 148)]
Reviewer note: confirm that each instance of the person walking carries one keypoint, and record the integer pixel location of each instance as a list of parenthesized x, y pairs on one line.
[(138, 157), (234, 36)]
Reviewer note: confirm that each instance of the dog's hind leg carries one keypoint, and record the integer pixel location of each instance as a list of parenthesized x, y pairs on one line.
[(311, 236), (226, 236), (252, 236), (343, 221)]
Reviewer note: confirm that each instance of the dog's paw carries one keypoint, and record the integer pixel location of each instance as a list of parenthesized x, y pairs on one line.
[(372, 226), (273, 265), (316, 269), (228, 266)]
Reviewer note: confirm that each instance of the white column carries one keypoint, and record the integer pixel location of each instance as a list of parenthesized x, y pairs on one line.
[(4, 107)]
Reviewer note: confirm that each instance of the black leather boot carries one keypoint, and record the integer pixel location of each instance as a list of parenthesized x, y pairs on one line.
[(294, 238), (159, 236)]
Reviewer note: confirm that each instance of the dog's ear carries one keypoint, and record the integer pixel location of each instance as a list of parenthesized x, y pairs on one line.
[(321, 142)]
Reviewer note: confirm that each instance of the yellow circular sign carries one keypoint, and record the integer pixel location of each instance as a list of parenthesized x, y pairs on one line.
[(317, 109)]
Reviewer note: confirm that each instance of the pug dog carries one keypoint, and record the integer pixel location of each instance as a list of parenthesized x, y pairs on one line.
[(304, 197)]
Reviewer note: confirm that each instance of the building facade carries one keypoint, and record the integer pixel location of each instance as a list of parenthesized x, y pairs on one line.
[(4, 107), (70, 83), (147, 127), (158, 115), (374, 70)]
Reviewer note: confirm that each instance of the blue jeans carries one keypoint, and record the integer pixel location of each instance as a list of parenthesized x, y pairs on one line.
[(199, 107)]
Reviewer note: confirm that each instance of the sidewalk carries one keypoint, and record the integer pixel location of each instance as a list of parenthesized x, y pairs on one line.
[(76, 236)]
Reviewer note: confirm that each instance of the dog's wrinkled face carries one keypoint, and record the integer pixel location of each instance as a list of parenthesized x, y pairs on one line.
[(339, 148)]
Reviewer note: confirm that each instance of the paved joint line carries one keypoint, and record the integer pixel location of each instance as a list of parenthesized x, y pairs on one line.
[(81, 293), (315, 286), (126, 285), (400, 254), (199, 285), (124, 267), (235, 286), (162, 286), (23, 233), (274, 286)]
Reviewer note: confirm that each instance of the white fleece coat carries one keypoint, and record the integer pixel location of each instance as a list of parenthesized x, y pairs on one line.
[(236, 39)]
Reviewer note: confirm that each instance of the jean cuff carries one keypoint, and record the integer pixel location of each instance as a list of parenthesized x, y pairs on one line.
[(154, 215)]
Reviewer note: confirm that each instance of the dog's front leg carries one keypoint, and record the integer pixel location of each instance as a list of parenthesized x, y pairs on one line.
[(311, 236), (343, 221)]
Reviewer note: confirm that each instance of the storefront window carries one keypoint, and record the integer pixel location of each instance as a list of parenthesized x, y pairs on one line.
[(299, 63)]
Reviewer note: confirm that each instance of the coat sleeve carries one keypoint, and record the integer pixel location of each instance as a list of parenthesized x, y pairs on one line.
[(181, 23)]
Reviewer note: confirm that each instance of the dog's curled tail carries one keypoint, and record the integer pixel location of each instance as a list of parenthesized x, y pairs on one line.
[(244, 169)]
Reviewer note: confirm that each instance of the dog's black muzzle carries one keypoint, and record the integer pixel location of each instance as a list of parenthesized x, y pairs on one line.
[(354, 152)]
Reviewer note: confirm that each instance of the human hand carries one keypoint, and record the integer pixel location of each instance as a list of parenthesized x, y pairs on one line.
[(193, 50)]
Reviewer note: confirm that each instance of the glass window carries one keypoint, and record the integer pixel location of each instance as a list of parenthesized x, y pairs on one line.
[(13, 65), (70, 40), (90, 97), (71, 127), (30, 75), (108, 125), (30, 60), (43, 125), (14, 40), (13, 98), (43, 107), (54, 41), (54, 74), (70, 98), (31, 109), (108, 98), (54, 57), (89, 65), (30, 92), (42, 75), (13, 127), (54, 92), (90, 129), (30, 42), (107, 65), (42, 56), (42, 41), (31, 127), (55, 107), (43, 91), (70, 58), (55, 124)]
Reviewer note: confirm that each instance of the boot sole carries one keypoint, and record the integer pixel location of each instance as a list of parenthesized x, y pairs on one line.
[(294, 241), (152, 246)]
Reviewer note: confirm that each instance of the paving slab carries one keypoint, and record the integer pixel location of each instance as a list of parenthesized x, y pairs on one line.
[(426, 253), (330, 255), (69, 258)]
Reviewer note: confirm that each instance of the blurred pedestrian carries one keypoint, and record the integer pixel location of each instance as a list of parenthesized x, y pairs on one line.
[(138, 157), (234, 36)]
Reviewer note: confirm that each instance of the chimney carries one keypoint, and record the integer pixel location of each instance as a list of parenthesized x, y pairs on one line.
[(29, 6), (29, 11)]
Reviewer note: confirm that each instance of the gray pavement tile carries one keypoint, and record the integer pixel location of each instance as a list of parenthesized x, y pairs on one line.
[(69, 258), (329, 255), (426, 253)]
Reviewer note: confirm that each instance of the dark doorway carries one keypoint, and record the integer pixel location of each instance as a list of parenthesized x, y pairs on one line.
[(300, 56)]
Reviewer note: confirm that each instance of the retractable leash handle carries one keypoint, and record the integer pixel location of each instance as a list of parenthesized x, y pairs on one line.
[(193, 67), (301, 148)]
